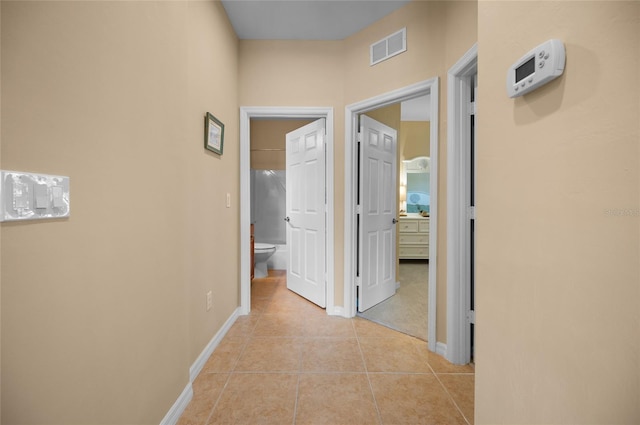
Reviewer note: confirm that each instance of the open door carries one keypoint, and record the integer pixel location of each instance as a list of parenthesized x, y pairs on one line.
[(377, 213), (306, 212)]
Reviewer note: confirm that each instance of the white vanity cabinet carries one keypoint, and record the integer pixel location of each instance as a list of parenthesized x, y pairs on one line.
[(413, 234)]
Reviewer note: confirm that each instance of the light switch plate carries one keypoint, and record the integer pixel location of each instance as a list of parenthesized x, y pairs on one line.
[(29, 196)]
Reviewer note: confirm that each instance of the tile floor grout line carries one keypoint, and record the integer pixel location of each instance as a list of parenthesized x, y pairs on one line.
[(366, 371), (215, 405), (231, 372), (451, 397), (295, 406), (308, 372), (260, 316)]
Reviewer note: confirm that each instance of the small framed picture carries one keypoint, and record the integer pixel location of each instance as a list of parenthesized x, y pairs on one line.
[(213, 134)]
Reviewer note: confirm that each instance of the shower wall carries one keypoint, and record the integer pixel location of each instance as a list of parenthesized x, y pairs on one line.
[(268, 206)]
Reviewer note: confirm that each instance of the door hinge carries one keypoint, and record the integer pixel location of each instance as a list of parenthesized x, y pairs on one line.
[(471, 317), (358, 281), (359, 137), (358, 209), (471, 213), (471, 108)]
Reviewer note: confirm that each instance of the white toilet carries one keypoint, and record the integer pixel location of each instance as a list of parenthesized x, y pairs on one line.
[(262, 252)]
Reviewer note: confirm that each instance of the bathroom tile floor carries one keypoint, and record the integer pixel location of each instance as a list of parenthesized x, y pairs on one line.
[(406, 311), (289, 363)]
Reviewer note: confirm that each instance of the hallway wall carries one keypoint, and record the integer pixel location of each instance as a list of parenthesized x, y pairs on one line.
[(103, 313), (558, 235), (337, 73)]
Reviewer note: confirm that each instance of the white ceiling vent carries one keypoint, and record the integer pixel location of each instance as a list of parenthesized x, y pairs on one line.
[(389, 46)]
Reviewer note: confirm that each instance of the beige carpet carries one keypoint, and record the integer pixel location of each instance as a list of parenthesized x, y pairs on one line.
[(406, 311)]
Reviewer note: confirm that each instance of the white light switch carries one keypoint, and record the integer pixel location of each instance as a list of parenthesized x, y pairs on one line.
[(42, 196), (228, 200), (58, 196), (28, 196), (20, 195)]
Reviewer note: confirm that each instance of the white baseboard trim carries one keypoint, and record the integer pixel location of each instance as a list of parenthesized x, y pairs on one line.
[(173, 415), (337, 311), (197, 366), (441, 348)]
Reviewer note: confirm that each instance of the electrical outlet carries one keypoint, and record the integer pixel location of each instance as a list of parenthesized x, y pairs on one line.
[(209, 300)]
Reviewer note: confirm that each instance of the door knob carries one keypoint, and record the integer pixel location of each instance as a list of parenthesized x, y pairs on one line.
[(394, 220), (287, 219)]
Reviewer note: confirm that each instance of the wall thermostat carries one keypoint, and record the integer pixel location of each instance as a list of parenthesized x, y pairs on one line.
[(536, 68)]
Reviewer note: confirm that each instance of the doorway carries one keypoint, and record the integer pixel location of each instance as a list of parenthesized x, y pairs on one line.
[(407, 310), (428, 87), (246, 114), (462, 83)]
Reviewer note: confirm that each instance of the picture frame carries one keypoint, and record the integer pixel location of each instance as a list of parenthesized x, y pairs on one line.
[(213, 134)]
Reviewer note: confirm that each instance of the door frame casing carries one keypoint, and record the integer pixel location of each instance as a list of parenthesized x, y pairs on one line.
[(458, 349), (351, 180), (277, 112)]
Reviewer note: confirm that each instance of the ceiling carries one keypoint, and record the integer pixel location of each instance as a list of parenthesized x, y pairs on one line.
[(315, 20), (305, 19)]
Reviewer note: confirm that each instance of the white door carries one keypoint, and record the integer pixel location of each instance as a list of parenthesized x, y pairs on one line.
[(378, 209), (306, 212), (471, 223)]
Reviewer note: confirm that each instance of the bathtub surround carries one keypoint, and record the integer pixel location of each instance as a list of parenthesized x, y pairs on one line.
[(268, 206), (268, 209)]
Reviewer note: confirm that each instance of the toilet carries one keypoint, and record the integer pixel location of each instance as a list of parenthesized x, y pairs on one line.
[(262, 252)]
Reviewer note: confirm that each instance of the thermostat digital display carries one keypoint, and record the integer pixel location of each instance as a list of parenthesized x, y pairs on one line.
[(536, 68)]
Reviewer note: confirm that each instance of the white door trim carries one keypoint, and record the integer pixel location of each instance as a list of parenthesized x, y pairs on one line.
[(458, 338), (350, 261), (246, 113)]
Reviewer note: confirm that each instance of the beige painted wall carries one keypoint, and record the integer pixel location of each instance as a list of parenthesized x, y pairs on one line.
[(337, 73), (0, 229), (388, 115), (268, 142), (103, 313), (414, 139), (558, 270), (121, 89), (438, 34), (301, 73), (211, 265)]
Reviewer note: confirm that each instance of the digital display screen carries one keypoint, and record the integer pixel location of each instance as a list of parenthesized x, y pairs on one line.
[(526, 69)]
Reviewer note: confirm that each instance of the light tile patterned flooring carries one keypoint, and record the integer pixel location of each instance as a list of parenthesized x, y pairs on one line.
[(289, 363), (406, 311)]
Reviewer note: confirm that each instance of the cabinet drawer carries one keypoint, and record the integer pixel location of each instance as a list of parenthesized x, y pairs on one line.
[(414, 239), (423, 226), (414, 252), (408, 226)]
